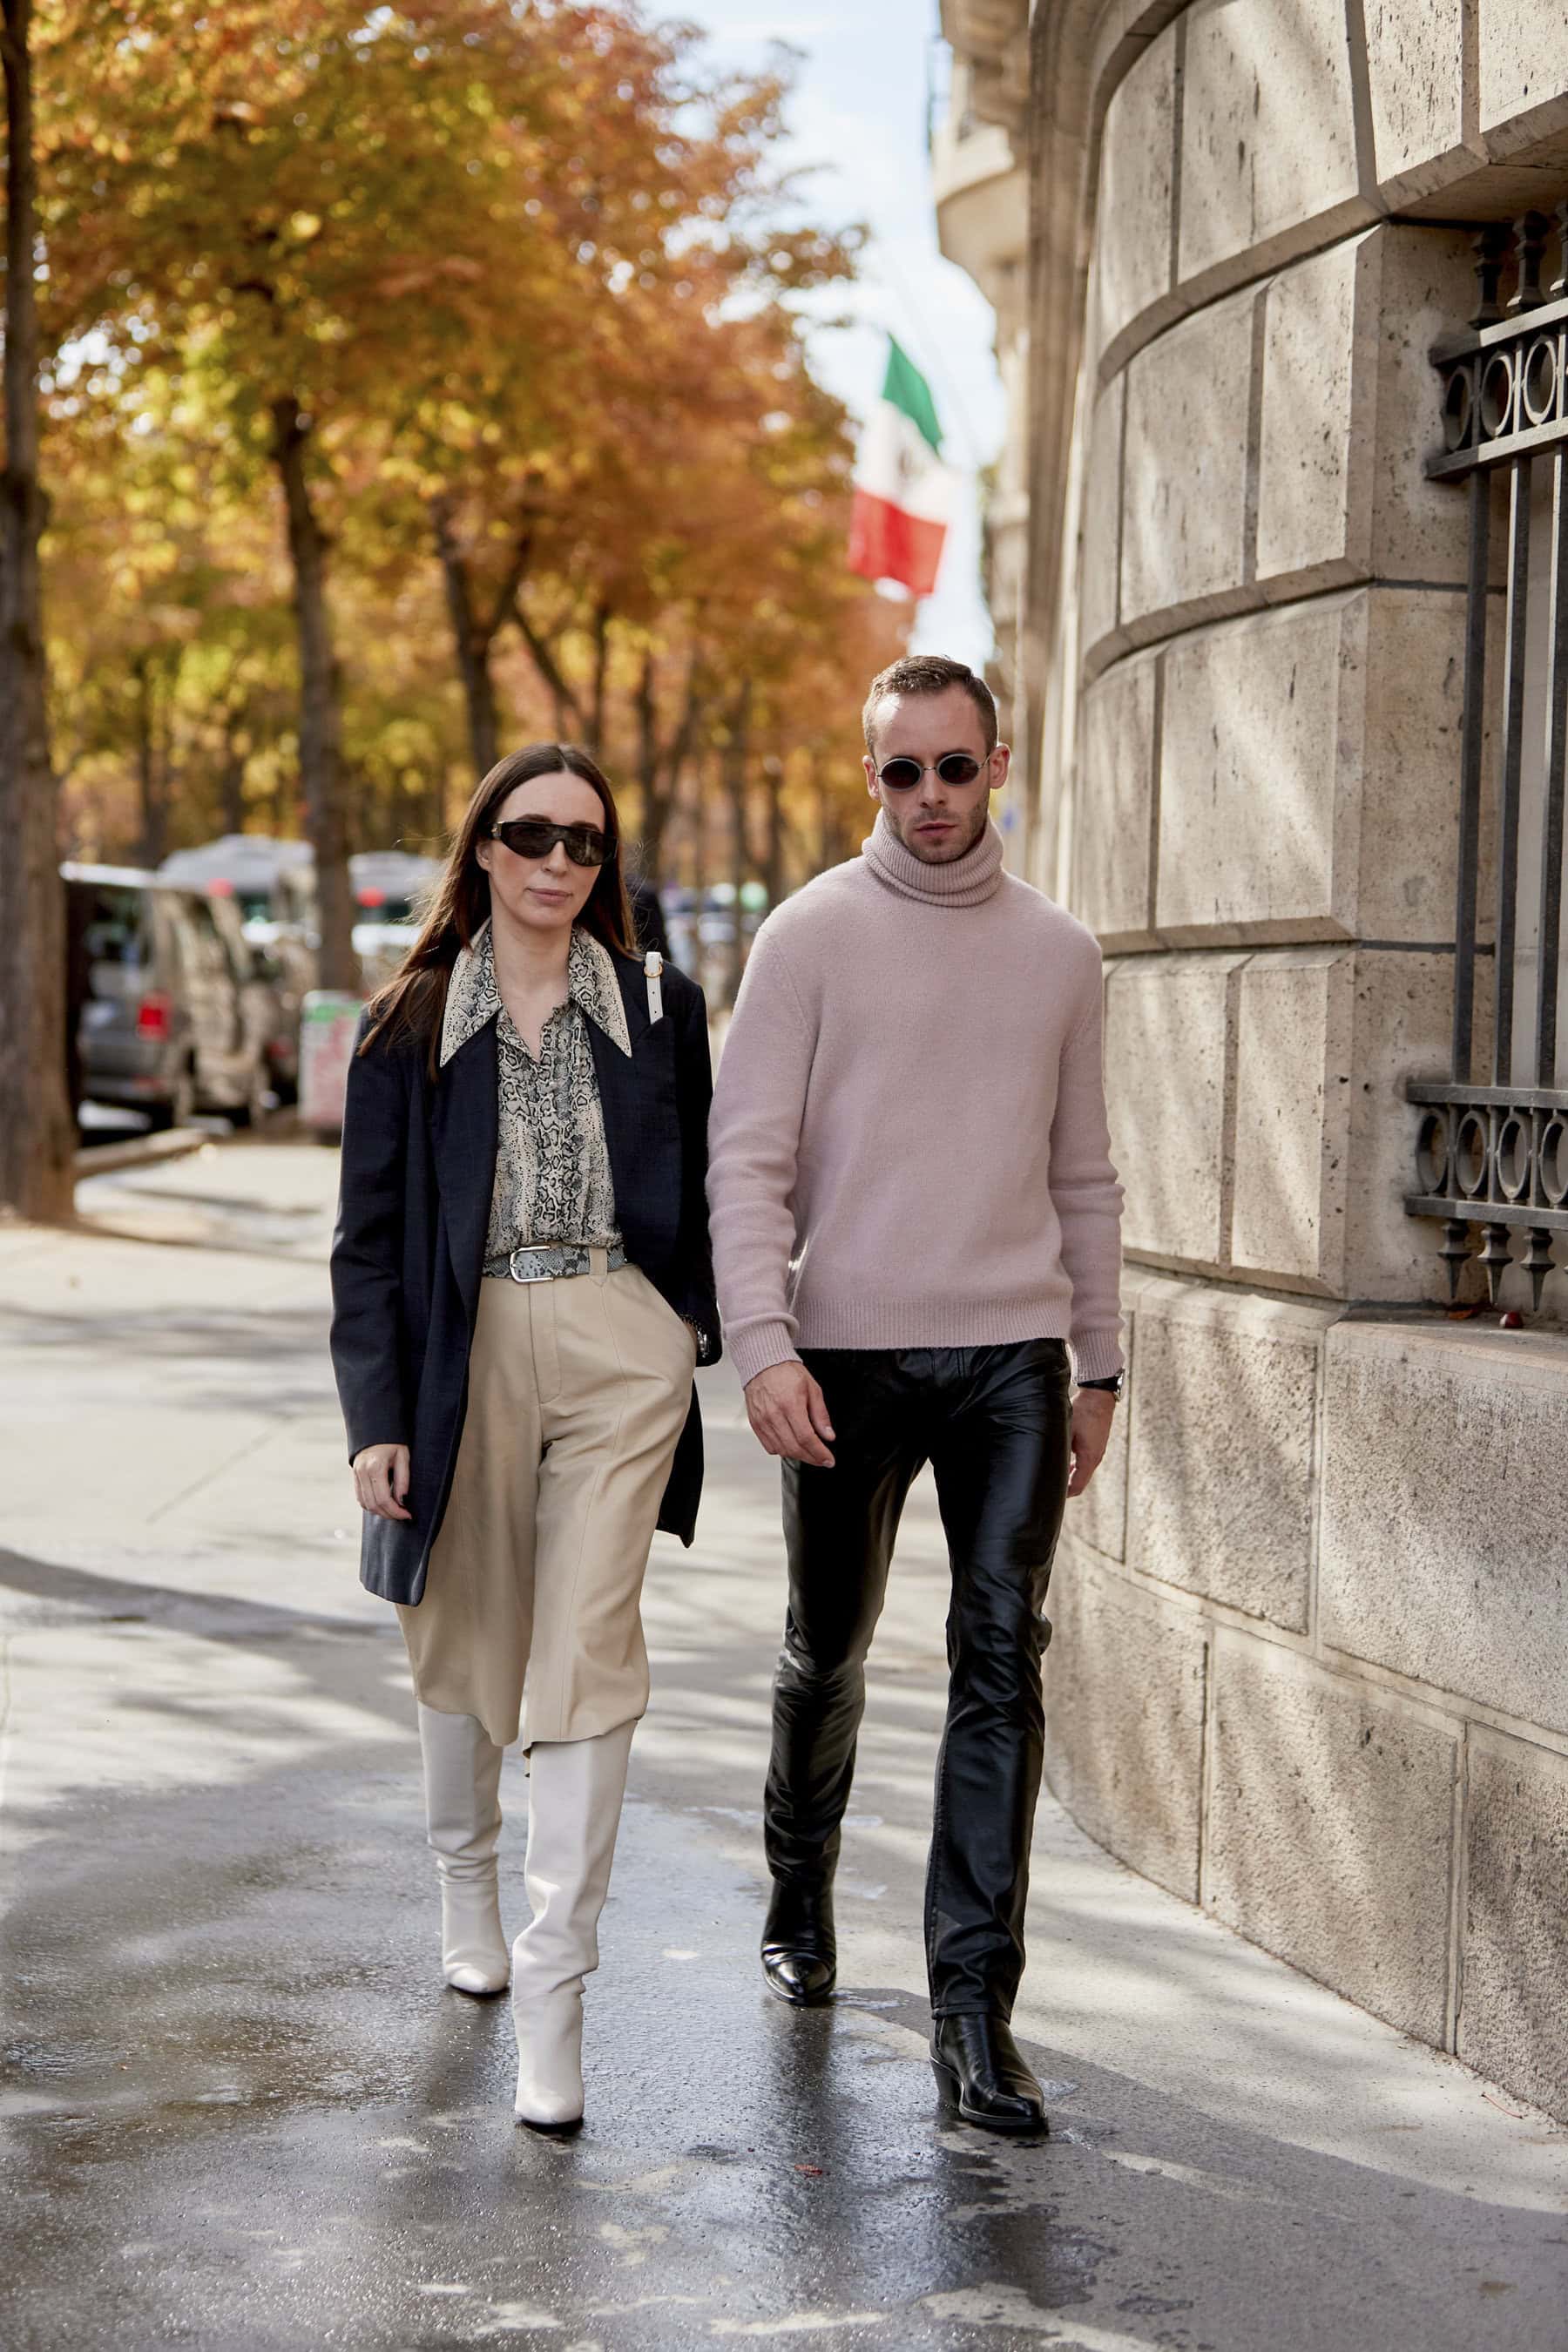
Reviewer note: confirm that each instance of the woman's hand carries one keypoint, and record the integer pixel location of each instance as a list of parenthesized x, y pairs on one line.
[(380, 1480)]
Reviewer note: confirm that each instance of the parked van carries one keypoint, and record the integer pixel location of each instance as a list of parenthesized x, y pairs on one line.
[(390, 888), (271, 885), (165, 1016)]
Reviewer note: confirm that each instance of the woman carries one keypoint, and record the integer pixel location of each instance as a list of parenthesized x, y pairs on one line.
[(522, 1287)]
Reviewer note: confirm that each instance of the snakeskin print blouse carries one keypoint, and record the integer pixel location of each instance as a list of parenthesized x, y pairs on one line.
[(553, 1181)]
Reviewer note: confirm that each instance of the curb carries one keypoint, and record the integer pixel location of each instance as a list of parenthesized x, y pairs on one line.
[(140, 1150)]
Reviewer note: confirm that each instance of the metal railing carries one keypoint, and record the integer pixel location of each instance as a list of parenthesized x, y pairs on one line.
[(1492, 1156)]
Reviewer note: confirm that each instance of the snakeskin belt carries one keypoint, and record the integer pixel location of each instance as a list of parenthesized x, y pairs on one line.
[(555, 1260)]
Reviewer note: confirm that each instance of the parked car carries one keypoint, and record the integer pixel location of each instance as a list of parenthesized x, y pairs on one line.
[(270, 995), (680, 910), (165, 1016), (390, 890), (272, 887), (272, 882)]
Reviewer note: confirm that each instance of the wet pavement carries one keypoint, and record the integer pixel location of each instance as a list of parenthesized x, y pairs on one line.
[(240, 2109)]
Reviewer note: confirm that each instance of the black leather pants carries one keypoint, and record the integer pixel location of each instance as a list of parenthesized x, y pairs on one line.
[(994, 1423)]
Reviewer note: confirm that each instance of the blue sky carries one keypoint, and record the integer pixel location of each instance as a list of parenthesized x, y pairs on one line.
[(859, 115)]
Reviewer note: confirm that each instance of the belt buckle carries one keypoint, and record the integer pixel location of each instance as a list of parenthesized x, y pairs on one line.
[(512, 1266)]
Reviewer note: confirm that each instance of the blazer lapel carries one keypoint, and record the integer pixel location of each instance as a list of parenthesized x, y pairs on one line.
[(621, 1077), (633, 996), (464, 1134)]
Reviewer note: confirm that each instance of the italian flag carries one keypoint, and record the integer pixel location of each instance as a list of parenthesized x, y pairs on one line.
[(903, 492)]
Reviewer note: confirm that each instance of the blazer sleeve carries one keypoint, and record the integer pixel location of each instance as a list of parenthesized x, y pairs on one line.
[(694, 1096), (367, 1253)]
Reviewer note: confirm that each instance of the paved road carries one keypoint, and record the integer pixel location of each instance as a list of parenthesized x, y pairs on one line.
[(240, 2110)]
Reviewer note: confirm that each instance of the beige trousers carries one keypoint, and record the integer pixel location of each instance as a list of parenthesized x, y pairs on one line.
[(578, 1391)]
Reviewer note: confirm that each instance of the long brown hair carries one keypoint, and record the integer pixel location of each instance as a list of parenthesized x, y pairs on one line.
[(413, 1001)]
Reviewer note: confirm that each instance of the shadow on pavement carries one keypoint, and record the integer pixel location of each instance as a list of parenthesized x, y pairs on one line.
[(242, 2110)]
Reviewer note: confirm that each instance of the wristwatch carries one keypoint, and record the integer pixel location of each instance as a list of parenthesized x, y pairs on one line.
[(1114, 1382)]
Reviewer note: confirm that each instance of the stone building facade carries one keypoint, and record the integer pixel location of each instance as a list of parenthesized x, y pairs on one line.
[(1291, 728)]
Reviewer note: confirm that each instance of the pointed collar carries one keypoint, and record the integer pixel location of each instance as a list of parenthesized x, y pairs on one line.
[(473, 998)]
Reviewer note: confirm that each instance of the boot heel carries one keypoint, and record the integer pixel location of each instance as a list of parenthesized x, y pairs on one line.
[(462, 1810), (475, 1956), (550, 2060), (799, 1954)]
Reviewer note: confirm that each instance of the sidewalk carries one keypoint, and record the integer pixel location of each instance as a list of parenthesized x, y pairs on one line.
[(240, 2110)]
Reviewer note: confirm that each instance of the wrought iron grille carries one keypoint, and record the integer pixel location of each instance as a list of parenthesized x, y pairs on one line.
[(1492, 1156)]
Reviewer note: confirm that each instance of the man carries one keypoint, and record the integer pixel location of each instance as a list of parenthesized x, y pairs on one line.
[(913, 1212)]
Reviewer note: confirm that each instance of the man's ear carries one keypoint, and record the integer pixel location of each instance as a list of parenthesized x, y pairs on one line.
[(870, 767)]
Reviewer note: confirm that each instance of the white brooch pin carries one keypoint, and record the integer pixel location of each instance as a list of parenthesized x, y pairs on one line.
[(653, 969)]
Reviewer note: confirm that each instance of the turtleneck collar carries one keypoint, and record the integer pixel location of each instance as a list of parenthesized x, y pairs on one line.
[(966, 881)]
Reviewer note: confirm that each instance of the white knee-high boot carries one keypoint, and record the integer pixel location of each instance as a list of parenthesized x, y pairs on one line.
[(575, 1791), (462, 1812)]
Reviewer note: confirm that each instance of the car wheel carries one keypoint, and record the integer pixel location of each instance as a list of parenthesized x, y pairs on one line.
[(253, 1109), (181, 1106)]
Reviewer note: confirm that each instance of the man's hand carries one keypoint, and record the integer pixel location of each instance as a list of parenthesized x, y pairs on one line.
[(789, 1413), (380, 1480), (1093, 1410)]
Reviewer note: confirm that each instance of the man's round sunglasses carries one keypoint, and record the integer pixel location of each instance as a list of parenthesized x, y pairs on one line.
[(535, 836), (954, 767)]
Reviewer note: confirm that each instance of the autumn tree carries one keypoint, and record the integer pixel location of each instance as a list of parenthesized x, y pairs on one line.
[(36, 1135), (697, 614), (173, 647), (480, 318), (169, 648), (404, 227)]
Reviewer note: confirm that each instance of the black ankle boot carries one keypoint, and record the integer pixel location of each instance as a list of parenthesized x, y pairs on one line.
[(800, 1958), (977, 2058)]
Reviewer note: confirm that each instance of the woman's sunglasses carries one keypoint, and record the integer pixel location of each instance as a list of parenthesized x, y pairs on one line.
[(535, 836), (954, 767)]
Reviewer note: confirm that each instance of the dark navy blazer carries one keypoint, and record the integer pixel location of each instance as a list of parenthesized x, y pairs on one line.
[(418, 1169)]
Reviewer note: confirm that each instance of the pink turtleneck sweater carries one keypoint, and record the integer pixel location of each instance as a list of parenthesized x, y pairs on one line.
[(908, 1146)]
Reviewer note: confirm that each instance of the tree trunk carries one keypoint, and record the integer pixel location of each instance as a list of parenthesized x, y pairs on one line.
[(700, 841), (474, 635), (37, 1136), (231, 778), (152, 767), (651, 812), (568, 713), (601, 680), (321, 712), (661, 767), (434, 812), (773, 866), (836, 833), (471, 644), (737, 751)]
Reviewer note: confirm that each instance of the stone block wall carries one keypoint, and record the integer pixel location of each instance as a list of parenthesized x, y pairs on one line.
[(1312, 1618), (1310, 1665)]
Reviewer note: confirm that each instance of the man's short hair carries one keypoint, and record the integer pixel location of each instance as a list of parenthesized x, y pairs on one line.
[(930, 673)]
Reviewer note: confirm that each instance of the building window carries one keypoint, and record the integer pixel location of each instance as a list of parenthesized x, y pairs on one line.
[(1492, 1147)]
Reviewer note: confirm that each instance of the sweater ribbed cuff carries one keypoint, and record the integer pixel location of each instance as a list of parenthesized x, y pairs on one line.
[(759, 1346), (1097, 1355)]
